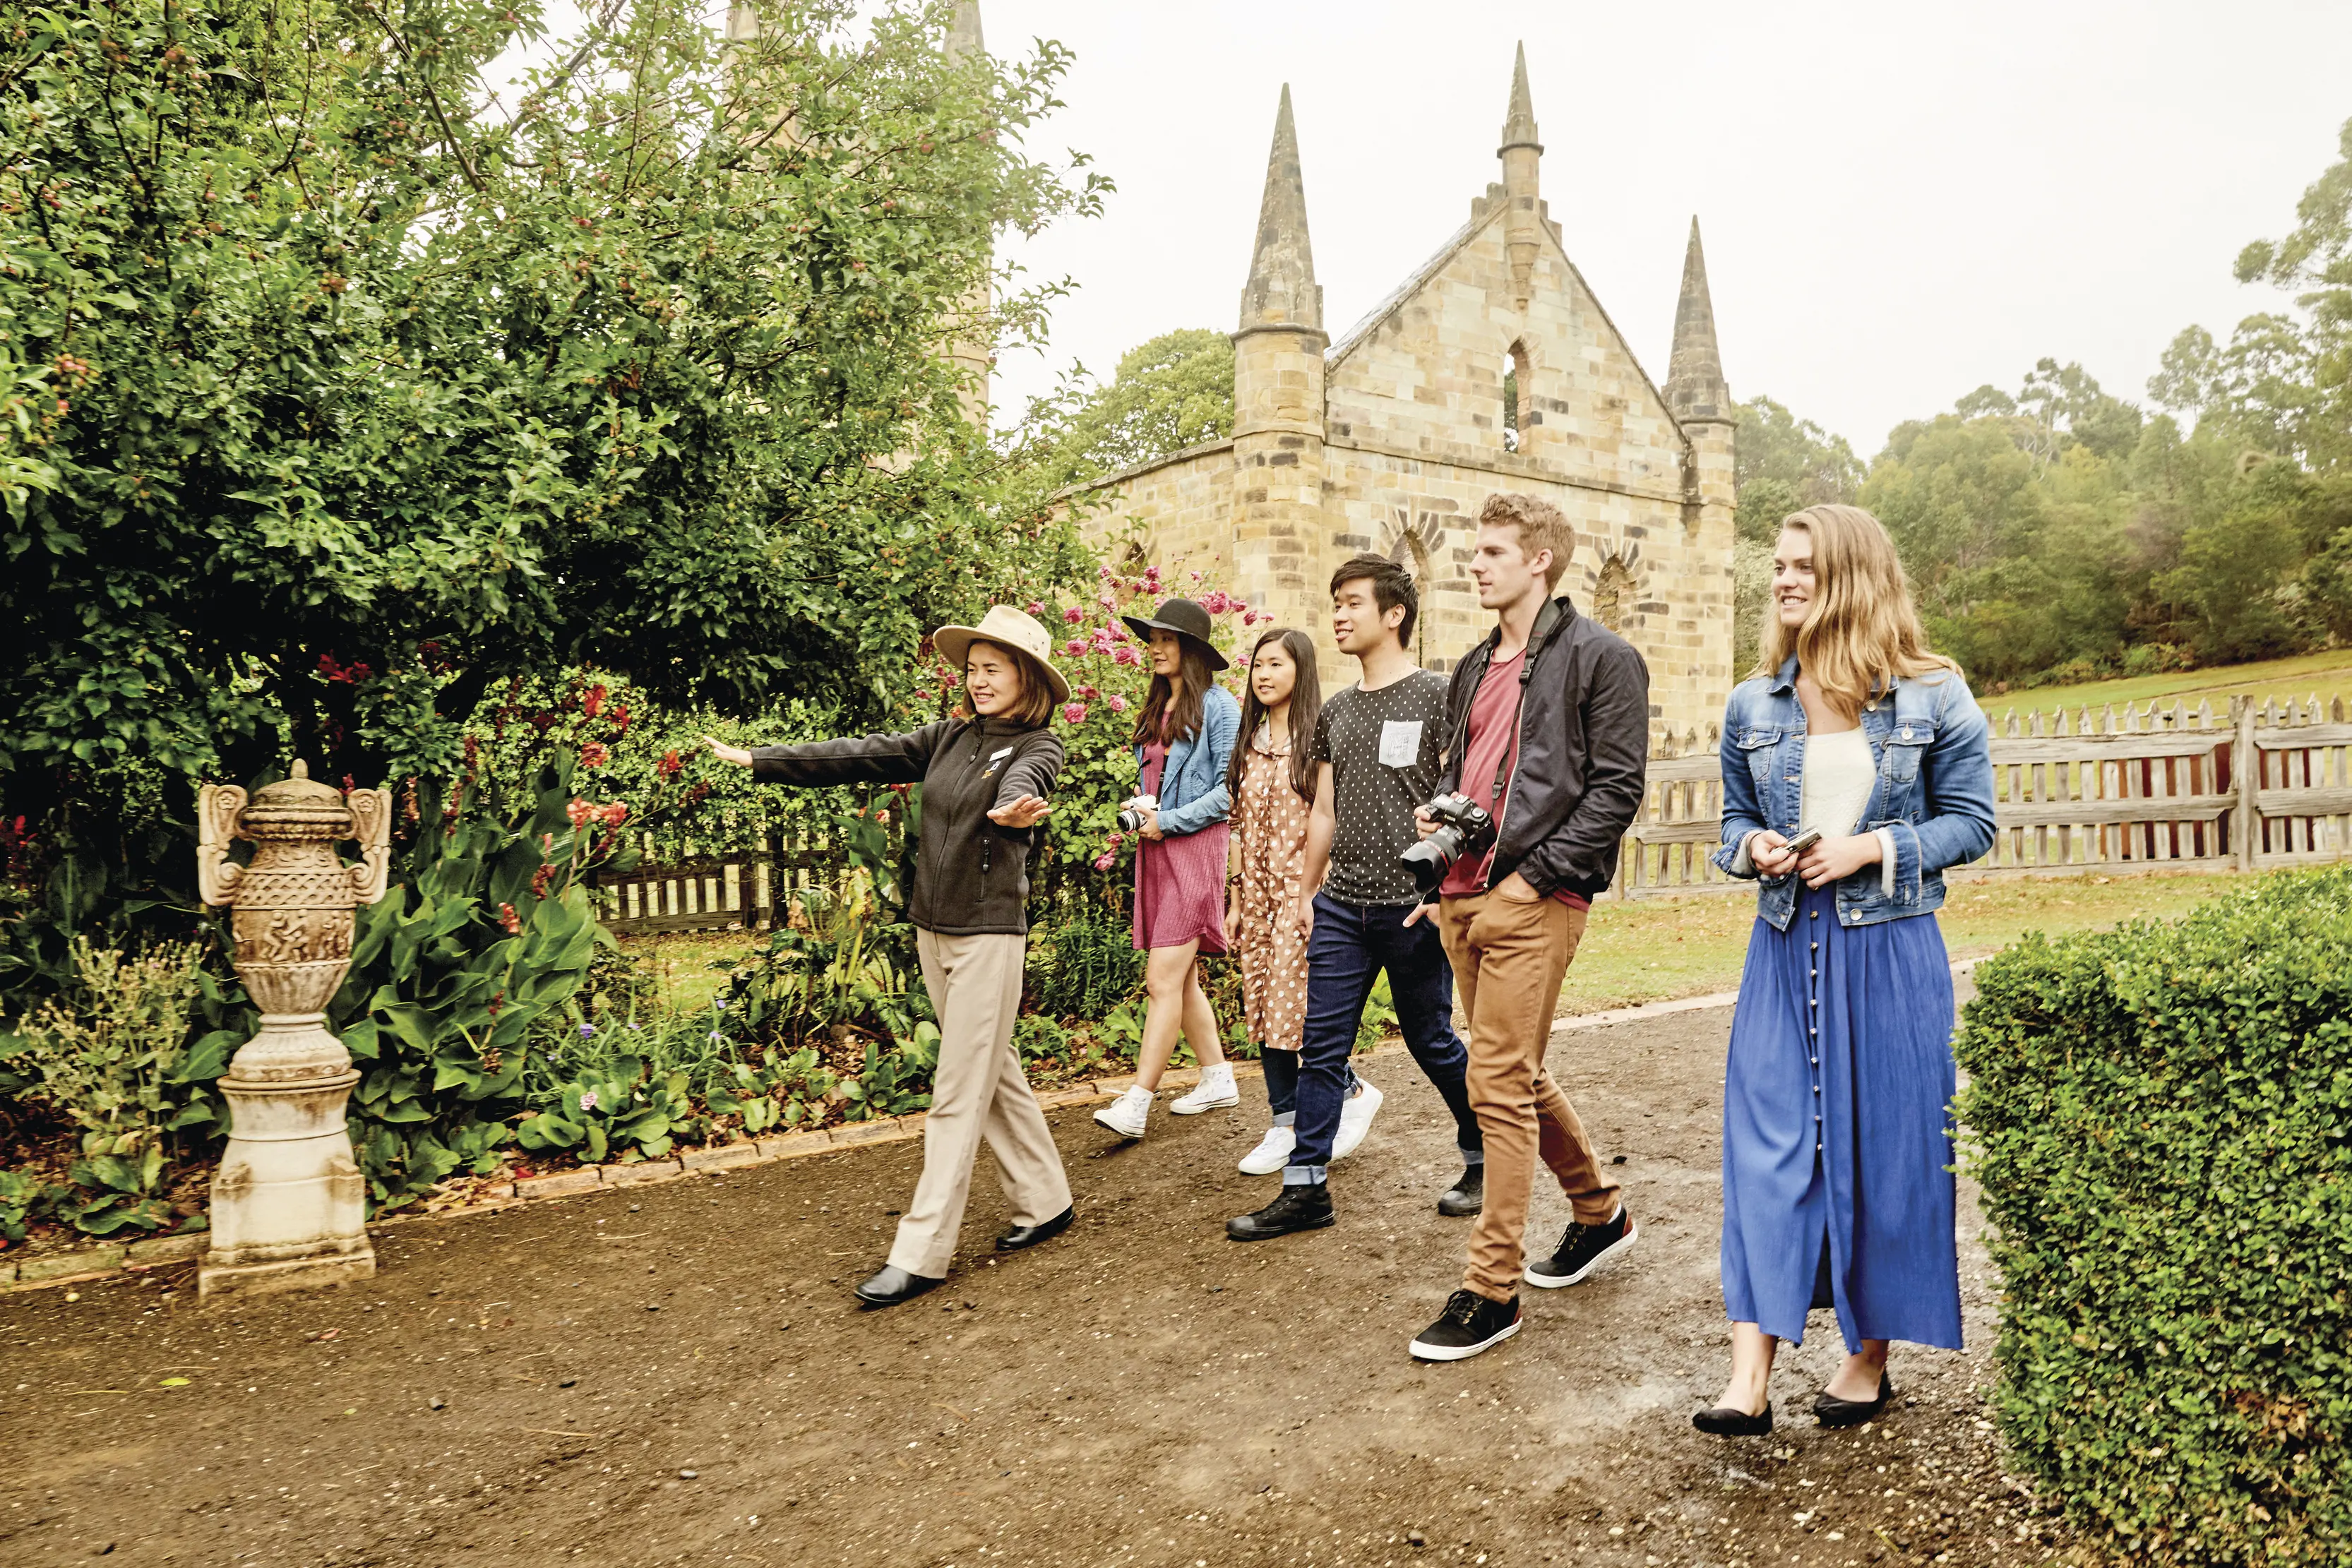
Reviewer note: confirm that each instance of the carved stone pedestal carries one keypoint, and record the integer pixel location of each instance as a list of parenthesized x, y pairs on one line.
[(287, 1202)]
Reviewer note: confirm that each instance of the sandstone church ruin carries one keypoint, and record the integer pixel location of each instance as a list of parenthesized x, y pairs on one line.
[(1492, 367)]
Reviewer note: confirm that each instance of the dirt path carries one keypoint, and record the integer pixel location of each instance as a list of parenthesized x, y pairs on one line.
[(533, 1385)]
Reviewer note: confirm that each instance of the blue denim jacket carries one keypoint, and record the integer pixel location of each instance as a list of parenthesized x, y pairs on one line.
[(1193, 793), (1932, 747)]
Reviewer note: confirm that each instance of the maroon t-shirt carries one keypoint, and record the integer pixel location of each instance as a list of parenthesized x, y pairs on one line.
[(1493, 738)]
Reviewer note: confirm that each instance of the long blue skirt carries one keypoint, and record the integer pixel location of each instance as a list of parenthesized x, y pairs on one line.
[(1837, 1137)]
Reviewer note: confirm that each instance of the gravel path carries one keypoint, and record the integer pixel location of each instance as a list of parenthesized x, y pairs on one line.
[(675, 1375)]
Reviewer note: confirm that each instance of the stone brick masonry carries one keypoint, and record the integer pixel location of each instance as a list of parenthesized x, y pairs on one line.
[(1392, 438)]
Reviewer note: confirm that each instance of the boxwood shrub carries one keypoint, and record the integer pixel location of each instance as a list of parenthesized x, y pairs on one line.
[(2162, 1119)]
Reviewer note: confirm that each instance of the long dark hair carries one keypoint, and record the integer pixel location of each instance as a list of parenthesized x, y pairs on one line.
[(1170, 715), (1305, 702)]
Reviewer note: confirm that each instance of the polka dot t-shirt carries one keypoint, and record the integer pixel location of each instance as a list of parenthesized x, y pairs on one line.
[(1383, 748)]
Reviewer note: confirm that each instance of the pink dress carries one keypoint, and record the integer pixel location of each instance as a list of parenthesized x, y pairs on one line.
[(1180, 882)]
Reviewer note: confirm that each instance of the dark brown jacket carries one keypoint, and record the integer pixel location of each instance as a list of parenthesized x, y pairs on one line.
[(971, 877)]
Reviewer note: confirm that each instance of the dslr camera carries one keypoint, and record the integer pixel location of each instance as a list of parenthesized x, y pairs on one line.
[(1131, 815), (1464, 826)]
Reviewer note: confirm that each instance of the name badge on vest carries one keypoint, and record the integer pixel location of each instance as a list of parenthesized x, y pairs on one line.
[(1400, 742), (993, 758)]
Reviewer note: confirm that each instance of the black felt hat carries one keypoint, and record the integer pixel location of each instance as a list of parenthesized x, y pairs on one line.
[(1185, 619)]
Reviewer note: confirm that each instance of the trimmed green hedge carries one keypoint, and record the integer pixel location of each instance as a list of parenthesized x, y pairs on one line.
[(2162, 1121)]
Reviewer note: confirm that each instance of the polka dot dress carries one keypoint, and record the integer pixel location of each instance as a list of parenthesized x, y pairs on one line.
[(1270, 828), (1383, 748)]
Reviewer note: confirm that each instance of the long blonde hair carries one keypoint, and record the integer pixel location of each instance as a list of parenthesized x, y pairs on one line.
[(1863, 631)]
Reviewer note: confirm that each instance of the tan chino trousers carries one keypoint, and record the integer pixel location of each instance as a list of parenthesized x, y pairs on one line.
[(1509, 957), (978, 1092)]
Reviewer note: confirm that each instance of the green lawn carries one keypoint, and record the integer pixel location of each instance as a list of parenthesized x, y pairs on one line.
[(2330, 674), (1656, 950)]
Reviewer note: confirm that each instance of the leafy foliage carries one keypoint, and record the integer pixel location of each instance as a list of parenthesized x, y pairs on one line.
[(1174, 392), (115, 1056), (461, 972), (2160, 1115), (342, 390)]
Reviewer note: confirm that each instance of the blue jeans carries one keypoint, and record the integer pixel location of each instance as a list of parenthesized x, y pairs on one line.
[(1353, 944), (1281, 1085)]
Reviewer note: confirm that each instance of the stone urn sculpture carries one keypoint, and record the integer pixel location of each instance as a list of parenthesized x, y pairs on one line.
[(286, 1202)]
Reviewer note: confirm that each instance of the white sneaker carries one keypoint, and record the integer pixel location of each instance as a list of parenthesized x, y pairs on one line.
[(1354, 1121), (1130, 1114), (1214, 1092), (1273, 1152)]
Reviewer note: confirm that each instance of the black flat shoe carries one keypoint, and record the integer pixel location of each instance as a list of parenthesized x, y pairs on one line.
[(1467, 1196), (891, 1286), (1837, 1413), (1294, 1208), (1724, 1421), (1022, 1235)]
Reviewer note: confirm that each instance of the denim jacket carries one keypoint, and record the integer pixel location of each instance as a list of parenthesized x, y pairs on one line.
[(1193, 793), (1934, 794)]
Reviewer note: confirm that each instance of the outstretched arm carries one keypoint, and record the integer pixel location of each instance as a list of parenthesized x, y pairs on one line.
[(858, 760)]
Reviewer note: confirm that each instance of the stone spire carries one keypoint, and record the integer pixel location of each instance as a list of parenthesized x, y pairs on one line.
[(963, 31), (1519, 123), (1282, 290), (1694, 384), (1522, 157)]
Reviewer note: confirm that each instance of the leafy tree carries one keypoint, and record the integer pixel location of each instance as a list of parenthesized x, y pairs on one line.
[(1785, 464), (339, 401), (1174, 392)]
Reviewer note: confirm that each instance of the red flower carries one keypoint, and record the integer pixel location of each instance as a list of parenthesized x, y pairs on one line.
[(668, 766), (594, 703), (620, 719), (614, 815), (539, 879), (1075, 712), (1073, 616), (510, 919), (579, 811), (594, 753)]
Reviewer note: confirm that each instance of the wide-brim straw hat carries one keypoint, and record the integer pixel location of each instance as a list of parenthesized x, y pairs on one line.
[(1185, 619), (1007, 628)]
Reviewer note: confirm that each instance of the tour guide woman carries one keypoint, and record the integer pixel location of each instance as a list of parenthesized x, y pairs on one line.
[(1183, 741), (1837, 1149), (985, 774)]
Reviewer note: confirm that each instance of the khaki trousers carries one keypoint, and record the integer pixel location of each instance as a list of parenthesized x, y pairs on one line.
[(1509, 957), (978, 1092)]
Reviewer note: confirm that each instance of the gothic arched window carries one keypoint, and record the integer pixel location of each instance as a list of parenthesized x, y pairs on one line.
[(1515, 396)]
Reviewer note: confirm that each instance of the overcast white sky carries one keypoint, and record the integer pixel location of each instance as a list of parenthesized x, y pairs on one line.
[(1901, 202)]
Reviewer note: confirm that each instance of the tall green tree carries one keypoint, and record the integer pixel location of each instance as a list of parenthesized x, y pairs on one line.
[(1173, 391), (347, 388)]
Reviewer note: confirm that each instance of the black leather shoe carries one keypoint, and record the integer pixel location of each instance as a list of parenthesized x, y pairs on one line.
[(891, 1286), (1022, 1235), (1304, 1206), (1834, 1413), (1728, 1421), (1467, 1196)]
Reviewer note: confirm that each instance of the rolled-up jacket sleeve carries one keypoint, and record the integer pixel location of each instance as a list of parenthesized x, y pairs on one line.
[(1956, 823)]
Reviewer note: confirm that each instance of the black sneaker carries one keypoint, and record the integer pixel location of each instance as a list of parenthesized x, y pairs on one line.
[(1467, 1196), (1305, 1206), (1469, 1324), (1581, 1249)]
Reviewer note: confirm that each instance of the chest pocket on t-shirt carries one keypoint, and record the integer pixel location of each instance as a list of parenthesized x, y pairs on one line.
[(1400, 742)]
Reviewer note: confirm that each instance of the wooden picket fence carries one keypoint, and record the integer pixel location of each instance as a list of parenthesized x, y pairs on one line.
[(2177, 788), (2263, 785), (715, 892)]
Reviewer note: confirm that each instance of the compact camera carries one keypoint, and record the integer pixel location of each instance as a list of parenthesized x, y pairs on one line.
[(1131, 815), (1464, 826)]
